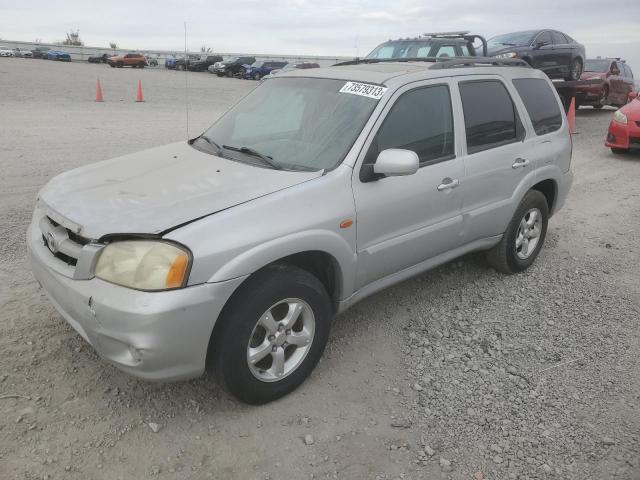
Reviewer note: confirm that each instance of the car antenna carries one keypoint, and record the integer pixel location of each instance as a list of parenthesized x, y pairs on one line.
[(186, 79)]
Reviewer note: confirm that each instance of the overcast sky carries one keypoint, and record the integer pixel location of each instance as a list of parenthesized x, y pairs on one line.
[(313, 27)]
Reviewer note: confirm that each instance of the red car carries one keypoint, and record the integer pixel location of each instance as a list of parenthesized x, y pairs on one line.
[(615, 82), (624, 129)]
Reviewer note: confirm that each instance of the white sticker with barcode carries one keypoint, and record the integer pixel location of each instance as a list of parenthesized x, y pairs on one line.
[(364, 90)]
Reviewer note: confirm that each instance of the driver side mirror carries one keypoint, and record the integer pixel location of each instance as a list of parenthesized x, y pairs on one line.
[(632, 96), (615, 71), (540, 44), (395, 162)]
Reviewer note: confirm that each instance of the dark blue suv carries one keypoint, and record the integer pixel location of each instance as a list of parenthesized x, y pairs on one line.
[(261, 68)]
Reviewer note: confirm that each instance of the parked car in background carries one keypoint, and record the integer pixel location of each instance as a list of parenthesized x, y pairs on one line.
[(262, 68), (367, 176), (203, 63), (624, 129), (58, 55), (170, 62), (98, 58), (614, 83), (443, 44), (183, 63), (22, 53), (555, 53), (6, 52), (151, 61), (292, 66), (129, 60), (232, 66), (40, 52)]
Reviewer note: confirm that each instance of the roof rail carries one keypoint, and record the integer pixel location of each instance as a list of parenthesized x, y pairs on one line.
[(446, 34), (442, 63)]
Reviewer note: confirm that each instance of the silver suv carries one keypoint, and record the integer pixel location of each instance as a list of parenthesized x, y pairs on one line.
[(236, 249)]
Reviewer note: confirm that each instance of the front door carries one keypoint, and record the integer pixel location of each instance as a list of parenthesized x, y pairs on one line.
[(543, 55), (404, 220)]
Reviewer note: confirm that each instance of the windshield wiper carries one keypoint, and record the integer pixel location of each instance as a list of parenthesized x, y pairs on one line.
[(250, 151), (212, 143)]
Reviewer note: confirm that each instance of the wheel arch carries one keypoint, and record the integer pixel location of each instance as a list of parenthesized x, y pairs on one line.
[(549, 188)]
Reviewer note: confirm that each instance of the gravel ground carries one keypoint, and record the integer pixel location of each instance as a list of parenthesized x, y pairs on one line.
[(460, 373)]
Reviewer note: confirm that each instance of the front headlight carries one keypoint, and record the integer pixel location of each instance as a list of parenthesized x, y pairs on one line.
[(144, 264), (620, 117), (507, 55)]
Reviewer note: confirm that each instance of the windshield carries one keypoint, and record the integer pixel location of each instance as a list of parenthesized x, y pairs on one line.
[(600, 66), (300, 123), (231, 60), (257, 64), (402, 49), (511, 39)]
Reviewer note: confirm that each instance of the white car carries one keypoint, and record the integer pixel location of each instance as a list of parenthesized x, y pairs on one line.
[(6, 52), (23, 53)]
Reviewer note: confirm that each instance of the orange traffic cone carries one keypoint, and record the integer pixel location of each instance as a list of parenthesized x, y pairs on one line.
[(99, 92), (139, 97), (571, 116)]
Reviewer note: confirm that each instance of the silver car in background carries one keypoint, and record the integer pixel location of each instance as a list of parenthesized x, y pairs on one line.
[(236, 249)]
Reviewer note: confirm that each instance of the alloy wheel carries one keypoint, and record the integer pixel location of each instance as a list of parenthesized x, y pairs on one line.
[(528, 234), (281, 339)]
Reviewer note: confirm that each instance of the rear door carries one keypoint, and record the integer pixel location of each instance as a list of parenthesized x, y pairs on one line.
[(628, 81), (497, 156), (403, 221)]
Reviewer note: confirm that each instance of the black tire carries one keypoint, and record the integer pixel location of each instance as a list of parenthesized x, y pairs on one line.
[(575, 70), (112, 65), (235, 329), (619, 151), (257, 76), (229, 74), (141, 65), (119, 64), (503, 257)]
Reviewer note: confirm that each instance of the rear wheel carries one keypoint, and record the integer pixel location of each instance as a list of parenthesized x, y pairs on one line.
[(524, 236), (575, 70), (141, 65), (271, 334)]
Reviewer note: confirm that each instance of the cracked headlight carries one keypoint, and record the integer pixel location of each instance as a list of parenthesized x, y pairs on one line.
[(144, 264)]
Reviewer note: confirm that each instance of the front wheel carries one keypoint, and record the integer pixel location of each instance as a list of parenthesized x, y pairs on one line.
[(229, 74), (525, 234), (257, 76), (272, 334)]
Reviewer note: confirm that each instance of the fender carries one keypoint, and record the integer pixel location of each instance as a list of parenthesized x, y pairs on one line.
[(311, 240)]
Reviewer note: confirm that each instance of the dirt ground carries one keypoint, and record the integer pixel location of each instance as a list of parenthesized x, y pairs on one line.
[(548, 386)]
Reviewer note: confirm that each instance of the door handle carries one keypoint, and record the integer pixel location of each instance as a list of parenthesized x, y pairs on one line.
[(448, 184), (520, 162)]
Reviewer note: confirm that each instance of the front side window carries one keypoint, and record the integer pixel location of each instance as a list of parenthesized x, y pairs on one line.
[(544, 39), (541, 104), (489, 115), (420, 120), (559, 38), (300, 123)]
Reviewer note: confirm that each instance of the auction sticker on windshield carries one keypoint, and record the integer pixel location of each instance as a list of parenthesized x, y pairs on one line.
[(364, 90)]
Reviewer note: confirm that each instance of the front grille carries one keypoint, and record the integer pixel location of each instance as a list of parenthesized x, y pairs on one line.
[(63, 243)]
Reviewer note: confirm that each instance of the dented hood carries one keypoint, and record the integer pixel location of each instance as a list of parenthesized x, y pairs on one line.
[(157, 189)]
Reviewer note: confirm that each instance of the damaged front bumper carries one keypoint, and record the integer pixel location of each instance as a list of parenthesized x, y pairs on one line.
[(152, 335)]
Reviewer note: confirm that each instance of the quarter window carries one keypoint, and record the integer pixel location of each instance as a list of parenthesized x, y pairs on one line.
[(540, 103), (421, 120), (446, 51), (489, 115)]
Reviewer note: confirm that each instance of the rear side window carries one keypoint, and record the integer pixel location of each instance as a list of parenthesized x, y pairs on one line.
[(490, 117), (540, 103), (421, 120)]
